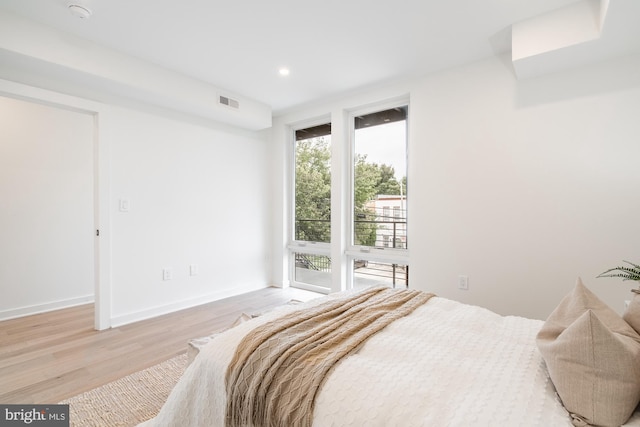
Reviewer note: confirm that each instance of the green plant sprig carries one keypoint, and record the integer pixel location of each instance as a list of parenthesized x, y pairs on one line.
[(626, 273)]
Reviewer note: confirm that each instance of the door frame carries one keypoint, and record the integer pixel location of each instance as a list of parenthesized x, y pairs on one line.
[(101, 182)]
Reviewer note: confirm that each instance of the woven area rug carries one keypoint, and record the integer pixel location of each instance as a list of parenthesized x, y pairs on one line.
[(129, 400)]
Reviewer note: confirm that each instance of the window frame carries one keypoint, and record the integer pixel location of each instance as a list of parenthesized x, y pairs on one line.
[(302, 246), (341, 250), (368, 253)]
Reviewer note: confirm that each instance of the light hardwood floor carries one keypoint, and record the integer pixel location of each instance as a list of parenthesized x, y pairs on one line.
[(49, 357)]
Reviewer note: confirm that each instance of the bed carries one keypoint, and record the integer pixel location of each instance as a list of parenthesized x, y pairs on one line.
[(444, 363)]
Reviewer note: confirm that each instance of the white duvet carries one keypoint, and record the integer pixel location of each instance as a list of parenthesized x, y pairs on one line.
[(446, 364)]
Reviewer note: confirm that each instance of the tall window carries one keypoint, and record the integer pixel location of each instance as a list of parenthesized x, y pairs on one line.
[(380, 177), (380, 188), (369, 245), (313, 184), (312, 267)]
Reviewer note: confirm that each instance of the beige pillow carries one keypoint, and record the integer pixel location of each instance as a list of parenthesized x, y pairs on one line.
[(632, 313), (593, 358)]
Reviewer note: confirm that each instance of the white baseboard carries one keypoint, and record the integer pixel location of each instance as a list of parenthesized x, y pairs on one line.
[(180, 305), (14, 313)]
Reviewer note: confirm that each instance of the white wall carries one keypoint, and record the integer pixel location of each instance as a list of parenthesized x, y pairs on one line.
[(46, 207), (525, 185), (198, 195), (521, 185)]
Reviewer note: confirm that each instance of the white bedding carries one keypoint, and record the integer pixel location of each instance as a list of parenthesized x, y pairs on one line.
[(446, 364)]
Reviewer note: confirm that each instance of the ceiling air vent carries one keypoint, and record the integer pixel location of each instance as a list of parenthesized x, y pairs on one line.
[(232, 103)]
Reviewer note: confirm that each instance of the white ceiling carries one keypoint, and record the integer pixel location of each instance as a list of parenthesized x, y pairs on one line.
[(330, 46)]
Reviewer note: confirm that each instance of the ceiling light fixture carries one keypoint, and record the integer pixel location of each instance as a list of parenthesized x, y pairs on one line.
[(79, 10), (284, 71)]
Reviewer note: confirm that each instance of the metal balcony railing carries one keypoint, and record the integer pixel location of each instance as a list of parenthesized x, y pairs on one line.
[(313, 262), (378, 272), (382, 232)]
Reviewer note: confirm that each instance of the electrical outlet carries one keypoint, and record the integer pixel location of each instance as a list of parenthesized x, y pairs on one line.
[(193, 269), (124, 205), (166, 274), (463, 283)]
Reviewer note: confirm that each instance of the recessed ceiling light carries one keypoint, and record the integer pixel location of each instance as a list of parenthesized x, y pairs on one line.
[(284, 71)]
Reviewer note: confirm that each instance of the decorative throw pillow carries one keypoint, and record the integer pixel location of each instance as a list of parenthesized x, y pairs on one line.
[(593, 358), (632, 313)]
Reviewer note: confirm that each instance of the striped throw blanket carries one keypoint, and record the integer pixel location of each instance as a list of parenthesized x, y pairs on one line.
[(279, 367)]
